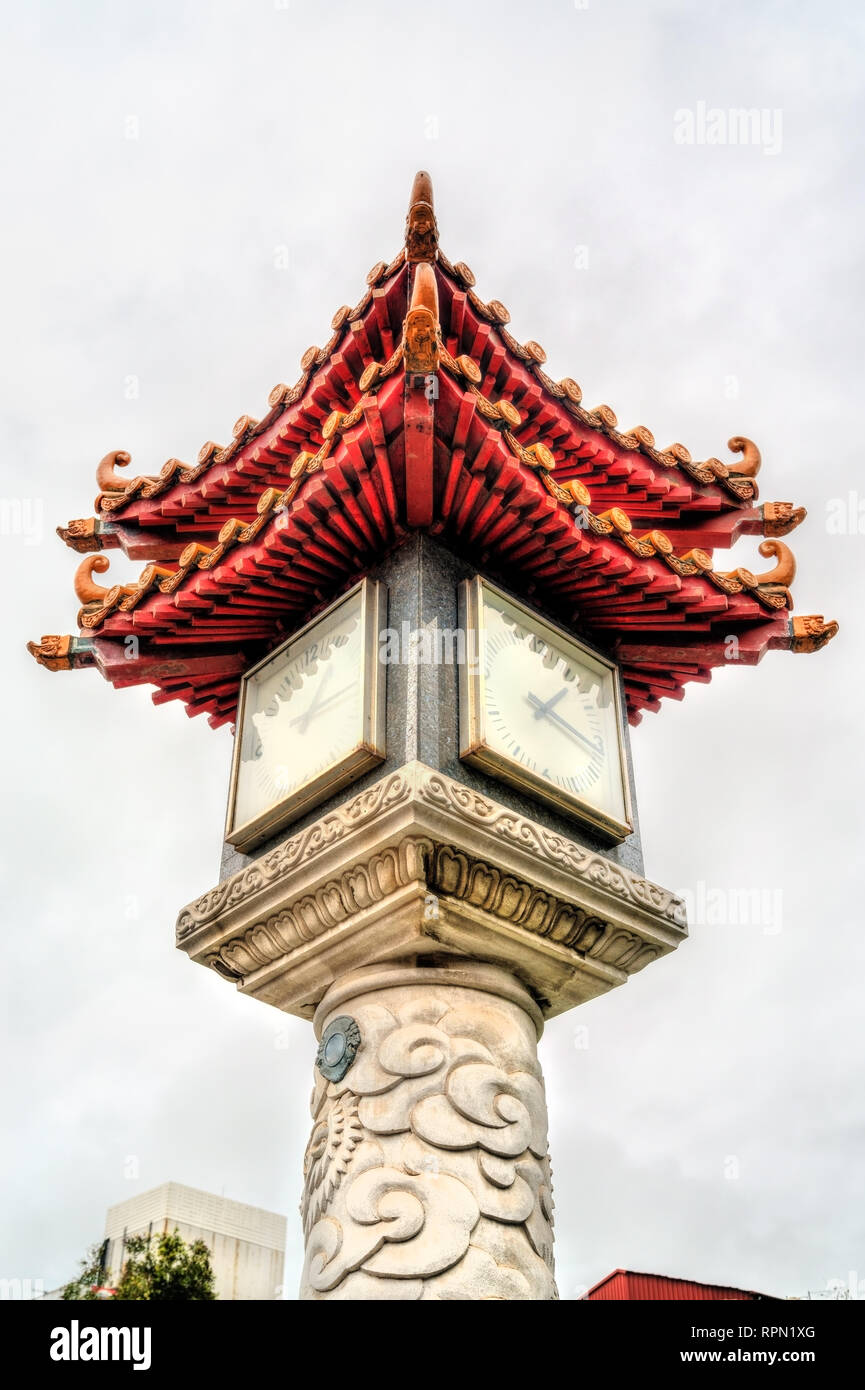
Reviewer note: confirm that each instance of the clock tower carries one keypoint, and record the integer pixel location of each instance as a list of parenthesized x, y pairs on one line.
[(430, 590)]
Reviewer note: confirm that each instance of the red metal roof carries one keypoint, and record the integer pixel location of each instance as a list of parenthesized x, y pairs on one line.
[(630, 1284)]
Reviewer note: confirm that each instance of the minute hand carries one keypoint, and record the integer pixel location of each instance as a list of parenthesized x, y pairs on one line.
[(595, 747), (303, 719)]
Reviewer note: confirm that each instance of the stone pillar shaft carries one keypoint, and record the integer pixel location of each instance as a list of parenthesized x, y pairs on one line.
[(427, 1174), (400, 922)]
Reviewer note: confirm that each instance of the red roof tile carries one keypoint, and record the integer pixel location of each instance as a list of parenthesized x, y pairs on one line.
[(499, 460)]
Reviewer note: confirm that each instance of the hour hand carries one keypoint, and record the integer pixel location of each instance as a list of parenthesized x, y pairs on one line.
[(303, 719), (544, 709)]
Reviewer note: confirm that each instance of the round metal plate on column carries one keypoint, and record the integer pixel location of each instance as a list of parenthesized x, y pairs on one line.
[(338, 1048)]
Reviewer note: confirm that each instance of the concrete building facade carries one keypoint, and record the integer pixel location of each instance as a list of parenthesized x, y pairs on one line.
[(247, 1244)]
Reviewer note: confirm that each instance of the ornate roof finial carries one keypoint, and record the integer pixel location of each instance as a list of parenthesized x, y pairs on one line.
[(749, 465), (421, 332), (779, 518), (785, 567), (107, 480), (86, 588), (421, 231), (809, 633), (52, 652)]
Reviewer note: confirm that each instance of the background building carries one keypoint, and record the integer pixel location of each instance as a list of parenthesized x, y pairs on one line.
[(247, 1244)]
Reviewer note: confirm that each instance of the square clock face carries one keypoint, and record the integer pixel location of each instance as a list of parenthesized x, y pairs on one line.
[(311, 718), (541, 711)]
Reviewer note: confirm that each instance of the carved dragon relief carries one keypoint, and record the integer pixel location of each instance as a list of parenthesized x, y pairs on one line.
[(82, 535), (779, 518), (427, 1174), (53, 652)]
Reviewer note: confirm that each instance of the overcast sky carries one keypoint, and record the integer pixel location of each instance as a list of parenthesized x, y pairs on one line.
[(191, 190)]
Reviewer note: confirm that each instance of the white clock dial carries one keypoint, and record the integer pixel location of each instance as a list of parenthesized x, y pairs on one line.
[(543, 712), (305, 712)]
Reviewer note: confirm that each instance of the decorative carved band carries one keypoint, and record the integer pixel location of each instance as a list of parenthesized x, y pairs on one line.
[(314, 914), (421, 785), (439, 872), (302, 848), (549, 847), (456, 875), (420, 865)]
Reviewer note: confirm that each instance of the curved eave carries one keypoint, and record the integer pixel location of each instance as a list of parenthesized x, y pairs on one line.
[(706, 503), (226, 480), (586, 443), (197, 627), (423, 412)]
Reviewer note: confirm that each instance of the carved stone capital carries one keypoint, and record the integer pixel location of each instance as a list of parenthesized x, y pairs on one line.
[(419, 865)]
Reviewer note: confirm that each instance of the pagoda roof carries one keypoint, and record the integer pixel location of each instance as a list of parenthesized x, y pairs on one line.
[(423, 412)]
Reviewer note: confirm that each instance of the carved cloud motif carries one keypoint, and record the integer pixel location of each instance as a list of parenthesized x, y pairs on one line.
[(428, 1160)]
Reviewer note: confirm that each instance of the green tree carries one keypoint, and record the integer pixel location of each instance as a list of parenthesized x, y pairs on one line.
[(156, 1268), (91, 1275), (165, 1267)]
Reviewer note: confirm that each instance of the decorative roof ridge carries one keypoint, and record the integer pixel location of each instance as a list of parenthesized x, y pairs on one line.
[(421, 246), (737, 480), (116, 492), (234, 532), (422, 350), (771, 590), (556, 518), (421, 229), (421, 330), (575, 496)]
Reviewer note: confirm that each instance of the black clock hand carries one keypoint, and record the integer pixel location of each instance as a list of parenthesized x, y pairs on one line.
[(597, 747), (303, 719), (543, 708)]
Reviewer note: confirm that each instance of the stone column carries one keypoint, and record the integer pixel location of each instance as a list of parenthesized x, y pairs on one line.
[(426, 930), (427, 1174)]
